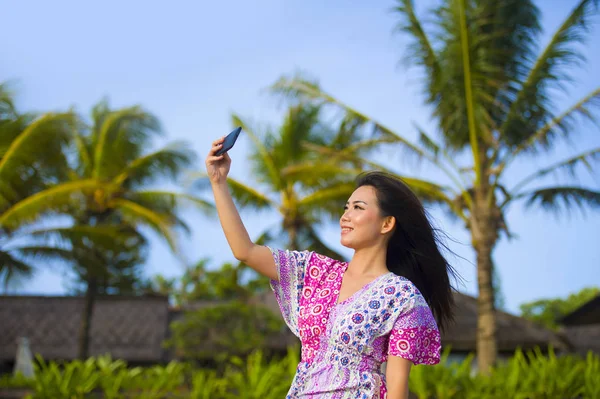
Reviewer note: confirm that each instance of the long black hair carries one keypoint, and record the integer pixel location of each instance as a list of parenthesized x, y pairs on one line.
[(413, 250)]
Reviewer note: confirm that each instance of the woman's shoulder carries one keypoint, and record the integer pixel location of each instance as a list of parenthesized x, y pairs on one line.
[(320, 258), (319, 266), (404, 288)]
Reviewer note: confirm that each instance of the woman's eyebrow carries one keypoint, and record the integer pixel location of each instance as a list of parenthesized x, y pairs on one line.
[(354, 202)]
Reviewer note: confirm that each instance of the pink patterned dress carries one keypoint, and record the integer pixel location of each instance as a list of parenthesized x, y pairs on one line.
[(344, 344)]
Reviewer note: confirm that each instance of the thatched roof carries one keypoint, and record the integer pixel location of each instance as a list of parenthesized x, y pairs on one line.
[(134, 328), (583, 338), (582, 327), (130, 328), (512, 331)]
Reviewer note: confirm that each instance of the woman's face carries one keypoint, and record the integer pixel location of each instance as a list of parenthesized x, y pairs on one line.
[(362, 224)]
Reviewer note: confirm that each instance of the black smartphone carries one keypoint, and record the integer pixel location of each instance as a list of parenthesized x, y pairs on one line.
[(229, 141)]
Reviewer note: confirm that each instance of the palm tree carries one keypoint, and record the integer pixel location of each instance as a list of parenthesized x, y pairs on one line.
[(113, 153), (279, 163), (490, 91), (31, 161), (33, 171)]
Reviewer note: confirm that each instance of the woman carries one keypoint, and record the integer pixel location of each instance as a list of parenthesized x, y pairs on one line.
[(351, 317)]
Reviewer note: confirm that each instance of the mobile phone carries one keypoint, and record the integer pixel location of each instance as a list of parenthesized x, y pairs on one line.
[(229, 141)]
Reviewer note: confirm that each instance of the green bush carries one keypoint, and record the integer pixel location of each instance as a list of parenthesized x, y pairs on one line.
[(16, 381), (221, 331), (530, 375)]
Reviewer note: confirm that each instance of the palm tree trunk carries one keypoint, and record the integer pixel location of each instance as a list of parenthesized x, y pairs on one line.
[(293, 237), (86, 319), (486, 320), (484, 236)]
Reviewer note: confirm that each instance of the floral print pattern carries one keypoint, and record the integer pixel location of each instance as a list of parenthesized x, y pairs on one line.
[(344, 344)]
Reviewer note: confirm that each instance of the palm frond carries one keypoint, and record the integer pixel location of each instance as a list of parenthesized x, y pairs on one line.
[(451, 169), (99, 236), (135, 215), (568, 165), (37, 149), (84, 165), (244, 195), (315, 175), (266, 160), (408, 149), (33, 254), (301, 124), (311, 92), (420, 51), (60, 198), (330, 199), (169, 202), (12, 268), (248, 197), (474, 42), (428, 143), (564, 123), (122, 138), (532, 107), (167, 162), (7, 105), (557, 199)]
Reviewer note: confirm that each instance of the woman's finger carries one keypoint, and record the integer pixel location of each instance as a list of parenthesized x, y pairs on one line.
[(214, 158), (218, 141), (215, 148)]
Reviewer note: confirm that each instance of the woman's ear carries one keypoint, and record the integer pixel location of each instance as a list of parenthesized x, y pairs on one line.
[(389, 223)]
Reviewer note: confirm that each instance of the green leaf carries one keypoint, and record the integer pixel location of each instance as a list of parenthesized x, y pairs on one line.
[(532, 107), (569, 165), (169, 202), (136, 214), (12, 268), (40, 145), (337, 192), (312, 92), (58, 198), (120, 138), (167, 162), (558, 199), (541, 138), (266, 159)]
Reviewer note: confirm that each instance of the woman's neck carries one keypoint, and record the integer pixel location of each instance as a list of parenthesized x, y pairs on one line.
[(368, 262)]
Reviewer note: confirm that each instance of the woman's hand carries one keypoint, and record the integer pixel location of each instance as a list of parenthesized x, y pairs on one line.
[(217, 166)]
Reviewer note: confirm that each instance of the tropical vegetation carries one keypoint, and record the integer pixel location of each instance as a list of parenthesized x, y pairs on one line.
[(529, 375)]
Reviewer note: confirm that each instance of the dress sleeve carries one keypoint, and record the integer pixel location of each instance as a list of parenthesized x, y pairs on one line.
[(291, 266), (415, 335)]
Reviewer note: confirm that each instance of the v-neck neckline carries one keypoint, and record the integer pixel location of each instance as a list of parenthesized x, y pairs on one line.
[(357, 292)]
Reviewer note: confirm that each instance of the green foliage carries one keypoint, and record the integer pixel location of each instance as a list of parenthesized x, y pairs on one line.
[(75, 380), (199, 283), (220, 331), (253, 378), (16, 381), (548, 312), (530, 375)]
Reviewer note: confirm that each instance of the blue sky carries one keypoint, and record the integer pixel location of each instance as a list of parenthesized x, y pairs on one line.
[(193, 63)]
